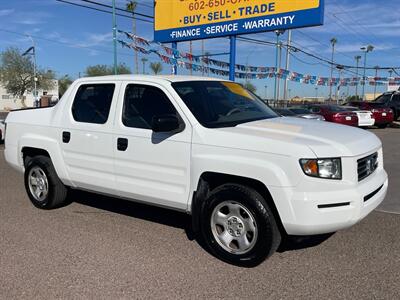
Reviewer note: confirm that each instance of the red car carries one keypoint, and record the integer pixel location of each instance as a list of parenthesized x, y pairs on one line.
[(335, 114), (382, 114)]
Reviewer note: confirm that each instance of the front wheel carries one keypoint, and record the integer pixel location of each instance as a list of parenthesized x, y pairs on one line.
[(44, 188), (238, 226), (382, 126)]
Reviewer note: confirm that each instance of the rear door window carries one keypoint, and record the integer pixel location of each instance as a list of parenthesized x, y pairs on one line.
[(92, 103)]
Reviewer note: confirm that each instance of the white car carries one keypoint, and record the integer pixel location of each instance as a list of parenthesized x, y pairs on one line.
[(365, 117), (204, 146), (2, 130)]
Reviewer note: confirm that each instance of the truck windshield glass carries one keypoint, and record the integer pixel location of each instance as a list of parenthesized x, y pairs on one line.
[(383, 98), (222, 104)]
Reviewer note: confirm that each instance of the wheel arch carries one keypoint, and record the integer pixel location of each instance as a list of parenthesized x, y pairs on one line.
[(30, 152), (34, 145), (210, 180)]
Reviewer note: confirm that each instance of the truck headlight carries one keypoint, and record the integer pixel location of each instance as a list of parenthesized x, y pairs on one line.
[(329, 168)]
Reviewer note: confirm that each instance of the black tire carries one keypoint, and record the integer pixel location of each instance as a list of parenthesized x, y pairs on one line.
[(267, 239), (382, 126), (57, 191)]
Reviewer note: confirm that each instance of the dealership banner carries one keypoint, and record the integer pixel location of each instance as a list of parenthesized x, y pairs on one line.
[(207, 65), (182, 20)]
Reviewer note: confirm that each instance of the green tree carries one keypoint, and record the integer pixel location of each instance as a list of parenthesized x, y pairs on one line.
[(17, 74), (156, 68), (63, 84), (251, 87), (131, 7), (103, 70)]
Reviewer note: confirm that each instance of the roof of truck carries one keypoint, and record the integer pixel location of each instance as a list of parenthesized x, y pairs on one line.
[(170, 78)]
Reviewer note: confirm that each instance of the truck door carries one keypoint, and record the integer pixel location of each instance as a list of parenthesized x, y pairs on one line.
[(87, 140), (151, 167)]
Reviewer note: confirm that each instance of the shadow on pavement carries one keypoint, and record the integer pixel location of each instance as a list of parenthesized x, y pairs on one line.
[(173, 218), (133, 209), (292, 243)]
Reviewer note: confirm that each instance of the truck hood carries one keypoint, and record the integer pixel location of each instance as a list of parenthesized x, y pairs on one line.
[(290, 136)]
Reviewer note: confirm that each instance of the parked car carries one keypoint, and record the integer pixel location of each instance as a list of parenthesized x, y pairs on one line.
[(204, 146), (305, 113), (385, 108), (365, 117), (2, 130), (335, 114)]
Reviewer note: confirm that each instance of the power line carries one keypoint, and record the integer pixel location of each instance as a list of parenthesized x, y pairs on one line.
[(72, 45), (145, 5), (104, 11), (356, 21), (117, 8), (325, 45)]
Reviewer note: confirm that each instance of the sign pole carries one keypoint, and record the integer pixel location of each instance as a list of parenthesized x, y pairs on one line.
[(232, 58), (276, 67), (175, 65), (114, 21)]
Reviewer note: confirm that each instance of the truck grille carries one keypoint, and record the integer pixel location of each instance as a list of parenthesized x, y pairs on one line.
[(367, 166)]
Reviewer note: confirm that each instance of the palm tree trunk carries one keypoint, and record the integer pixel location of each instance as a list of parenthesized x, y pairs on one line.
[(136, 53)]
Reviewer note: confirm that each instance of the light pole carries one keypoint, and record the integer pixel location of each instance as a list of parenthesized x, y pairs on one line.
[(390, 77), (340, 68), (367, 49), (376, 76), (288, 49), (144, 60), (114, 21), (358, 57), (333, 43), (266, 92), (34, 71), (277, 62), (316, 93)]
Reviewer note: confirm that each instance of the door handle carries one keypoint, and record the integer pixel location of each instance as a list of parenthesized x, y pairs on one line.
[(122, 144), (66, 137)]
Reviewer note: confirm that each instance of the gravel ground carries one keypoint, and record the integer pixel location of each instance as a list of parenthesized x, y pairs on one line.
[(101, 247)]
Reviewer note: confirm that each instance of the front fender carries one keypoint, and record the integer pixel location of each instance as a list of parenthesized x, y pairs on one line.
[(271, 169)]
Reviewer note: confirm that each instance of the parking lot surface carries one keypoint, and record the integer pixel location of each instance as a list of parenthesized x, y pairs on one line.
[(101, 247)]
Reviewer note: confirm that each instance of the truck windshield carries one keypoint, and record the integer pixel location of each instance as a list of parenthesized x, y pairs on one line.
[(383, 98), (218, 104)]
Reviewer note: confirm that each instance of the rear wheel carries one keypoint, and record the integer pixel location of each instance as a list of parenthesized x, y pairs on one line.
[(238, 226), (382, 126), (44, 188)]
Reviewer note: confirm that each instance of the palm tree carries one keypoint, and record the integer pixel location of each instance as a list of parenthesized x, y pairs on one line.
[(207, 55), (250, 86), (156, 68), (144, 60), (333, 43), (131, 6)]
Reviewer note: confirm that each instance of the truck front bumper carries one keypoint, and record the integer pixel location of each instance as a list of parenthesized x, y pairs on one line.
[(328, 211)]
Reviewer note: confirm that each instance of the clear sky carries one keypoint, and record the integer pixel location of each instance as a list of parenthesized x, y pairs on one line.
[(69, 38)]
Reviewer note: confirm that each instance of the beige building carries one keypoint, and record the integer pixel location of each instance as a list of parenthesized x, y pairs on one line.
[(8, 102)]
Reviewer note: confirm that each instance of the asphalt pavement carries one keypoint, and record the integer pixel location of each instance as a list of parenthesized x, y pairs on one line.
[(101, 247)]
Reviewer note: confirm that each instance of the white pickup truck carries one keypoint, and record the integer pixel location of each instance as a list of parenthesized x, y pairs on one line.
[(204, 146)]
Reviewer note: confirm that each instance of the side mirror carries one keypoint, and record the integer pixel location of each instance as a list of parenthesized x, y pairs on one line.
[(165, 123)]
